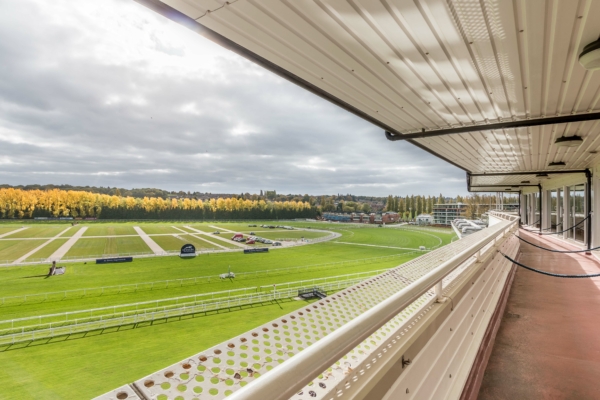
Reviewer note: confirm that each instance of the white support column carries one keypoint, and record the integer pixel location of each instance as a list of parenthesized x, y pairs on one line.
[(523, 207), (546, 209), (566, 223), (532, 204), (596, 207), (586, 212)]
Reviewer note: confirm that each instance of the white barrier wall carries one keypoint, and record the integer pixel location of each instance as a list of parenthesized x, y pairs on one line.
[(494, 220)]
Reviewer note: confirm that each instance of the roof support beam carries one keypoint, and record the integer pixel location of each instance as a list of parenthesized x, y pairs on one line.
[(572, 171), (500, 125), (502, 186)]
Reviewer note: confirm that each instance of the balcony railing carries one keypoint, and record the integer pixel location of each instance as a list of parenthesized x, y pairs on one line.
[(341, 346)]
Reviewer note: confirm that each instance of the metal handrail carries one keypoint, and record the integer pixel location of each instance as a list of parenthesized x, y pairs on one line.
[(285, 380)]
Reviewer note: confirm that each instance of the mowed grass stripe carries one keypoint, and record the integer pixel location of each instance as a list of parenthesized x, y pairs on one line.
[(6, 229), (203, 227), (292, 234), (176, 242), (39, 232), (151, 229), (397, 238), (109, 230), (47, 250), (91, 247), (10, 250)]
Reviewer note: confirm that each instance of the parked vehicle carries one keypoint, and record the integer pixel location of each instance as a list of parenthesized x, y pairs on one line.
[(237, 236), (268, 241), (252, 233), (216, 233), (250, 241), (276, 243)]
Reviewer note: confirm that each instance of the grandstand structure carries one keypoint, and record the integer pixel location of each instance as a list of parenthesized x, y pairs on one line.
[(507, 91)]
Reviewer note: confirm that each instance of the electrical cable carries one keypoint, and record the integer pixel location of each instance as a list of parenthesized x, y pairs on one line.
[(574, 226), (545, 229), (557, 251), (548, 273)]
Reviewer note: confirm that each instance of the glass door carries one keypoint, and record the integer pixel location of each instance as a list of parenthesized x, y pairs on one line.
[(536, 204), (559, 211), (553, 210), (577, 212)]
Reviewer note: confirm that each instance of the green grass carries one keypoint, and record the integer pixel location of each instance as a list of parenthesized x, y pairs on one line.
[(175, 242), (396, 237), (10, 250), (204, 227), (85, 366), (47, 250), (114, 245), (6, 229), (81, 275), (41, 232), (292, 234), (158, 229), (109, 230), (215, 238)]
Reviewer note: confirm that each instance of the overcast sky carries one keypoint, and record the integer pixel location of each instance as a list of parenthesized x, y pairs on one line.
[(107, 93)]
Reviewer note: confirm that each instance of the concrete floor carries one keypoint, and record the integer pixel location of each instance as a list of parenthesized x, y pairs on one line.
[(548, 344)]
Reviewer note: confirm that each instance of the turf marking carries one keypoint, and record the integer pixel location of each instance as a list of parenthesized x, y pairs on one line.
[(15, 231), (62, 250), (198, 237), (243, 246), (151, 243), (23, 258), (223, 229)]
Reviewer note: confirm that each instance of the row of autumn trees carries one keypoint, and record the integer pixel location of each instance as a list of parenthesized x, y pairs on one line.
[(410, 206), (16, 203)]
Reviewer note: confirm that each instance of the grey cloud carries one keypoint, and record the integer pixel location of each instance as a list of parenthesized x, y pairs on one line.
[(70, 119)]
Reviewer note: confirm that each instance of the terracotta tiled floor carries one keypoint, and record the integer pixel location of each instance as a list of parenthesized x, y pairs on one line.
[(548, 344)]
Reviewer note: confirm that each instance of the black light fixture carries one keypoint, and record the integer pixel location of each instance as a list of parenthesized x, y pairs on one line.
[(568, 141), (590, 56), (514, 186), (542, 175), (506, 189), (557, 164), (525, 181)]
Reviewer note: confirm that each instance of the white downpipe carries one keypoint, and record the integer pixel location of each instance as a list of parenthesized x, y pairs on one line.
[(285, 380)]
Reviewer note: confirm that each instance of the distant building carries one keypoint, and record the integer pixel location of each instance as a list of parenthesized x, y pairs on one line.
[(424, 219), (390, 217), (444, 214), (337, 217), (361, 218)]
